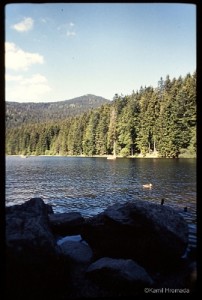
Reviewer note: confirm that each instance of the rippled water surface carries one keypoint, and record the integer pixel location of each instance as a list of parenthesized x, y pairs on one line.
[(89, 185)]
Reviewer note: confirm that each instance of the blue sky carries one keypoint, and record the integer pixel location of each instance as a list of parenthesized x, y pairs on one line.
[(59, 51)]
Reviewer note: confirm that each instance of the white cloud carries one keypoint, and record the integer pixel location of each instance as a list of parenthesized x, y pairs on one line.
[(67, 29), (71, 33), (33, 88), (13, 77), (25, 25), (18, 59), (35, 79)]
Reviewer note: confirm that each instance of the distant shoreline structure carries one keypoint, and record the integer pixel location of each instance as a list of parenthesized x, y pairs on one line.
[(111, 157)]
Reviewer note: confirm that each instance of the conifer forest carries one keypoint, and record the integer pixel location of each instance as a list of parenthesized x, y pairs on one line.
[(158, 120)]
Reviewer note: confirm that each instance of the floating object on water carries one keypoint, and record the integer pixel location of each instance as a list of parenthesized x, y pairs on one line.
[(111, 157), (148, 185), (162, 201), (185, 208), (23, 156)]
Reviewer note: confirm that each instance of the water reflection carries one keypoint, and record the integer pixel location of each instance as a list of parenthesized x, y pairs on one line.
[(89, 185)]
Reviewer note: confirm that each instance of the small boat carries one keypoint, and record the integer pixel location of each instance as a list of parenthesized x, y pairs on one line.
[(147, 186), (24, 156), (111, 157)]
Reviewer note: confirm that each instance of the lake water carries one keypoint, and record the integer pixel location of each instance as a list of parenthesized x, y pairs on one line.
[(89, 185)]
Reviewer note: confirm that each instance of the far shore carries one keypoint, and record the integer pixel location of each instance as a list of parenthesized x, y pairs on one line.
[(148, 155)]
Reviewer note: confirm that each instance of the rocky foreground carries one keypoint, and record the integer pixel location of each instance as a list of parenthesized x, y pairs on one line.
[(128, 250)]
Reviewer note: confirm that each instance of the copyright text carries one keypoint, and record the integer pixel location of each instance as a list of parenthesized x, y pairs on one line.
[(166, 291)]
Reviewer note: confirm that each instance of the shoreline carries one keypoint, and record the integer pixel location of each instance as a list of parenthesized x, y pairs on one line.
[(101, 156)]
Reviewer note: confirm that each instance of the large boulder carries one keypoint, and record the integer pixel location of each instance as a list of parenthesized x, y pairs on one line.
[(123, 275), (66, 223), (77, 252), (34, 266), (153, 235), (28, 234)]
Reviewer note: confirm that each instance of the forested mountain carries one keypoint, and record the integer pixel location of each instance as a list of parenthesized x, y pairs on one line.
[(24, 113), (152, 120)]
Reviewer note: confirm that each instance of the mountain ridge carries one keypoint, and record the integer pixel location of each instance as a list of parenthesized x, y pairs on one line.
[(18, 113), (59, 101)]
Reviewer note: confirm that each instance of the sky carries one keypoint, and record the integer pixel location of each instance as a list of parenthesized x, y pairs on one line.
[(59, 51)]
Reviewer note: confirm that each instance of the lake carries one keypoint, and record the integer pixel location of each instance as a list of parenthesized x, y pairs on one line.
[(89, 185)]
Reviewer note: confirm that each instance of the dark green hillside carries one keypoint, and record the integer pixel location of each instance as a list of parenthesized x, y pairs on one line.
[(24, 113), (150, 122)]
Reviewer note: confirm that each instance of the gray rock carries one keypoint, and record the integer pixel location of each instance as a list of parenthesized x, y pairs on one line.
[(74, 238), (49, 209), (66, 223), (119, 273), (28, 234), (37, 265), (77, 251), (34, 266), (153, 235)]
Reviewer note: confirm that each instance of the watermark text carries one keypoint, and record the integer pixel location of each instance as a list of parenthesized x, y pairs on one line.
[(166, 291)]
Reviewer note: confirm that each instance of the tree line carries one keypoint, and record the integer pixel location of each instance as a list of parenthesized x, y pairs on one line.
[(152, 120)]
